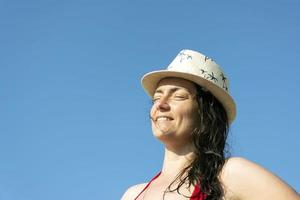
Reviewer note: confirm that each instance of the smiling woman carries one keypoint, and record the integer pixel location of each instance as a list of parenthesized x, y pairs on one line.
[(191, 113), (174, 125)]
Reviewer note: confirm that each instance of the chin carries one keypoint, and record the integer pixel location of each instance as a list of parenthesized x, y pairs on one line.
[(163, 135)]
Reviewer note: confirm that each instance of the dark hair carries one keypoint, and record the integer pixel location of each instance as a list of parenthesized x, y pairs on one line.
[(209, 139)]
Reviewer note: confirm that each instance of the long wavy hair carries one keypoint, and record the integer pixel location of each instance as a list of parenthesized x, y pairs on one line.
[(209, 139)]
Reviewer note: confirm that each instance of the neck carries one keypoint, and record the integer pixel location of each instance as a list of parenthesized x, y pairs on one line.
[(176, 159)]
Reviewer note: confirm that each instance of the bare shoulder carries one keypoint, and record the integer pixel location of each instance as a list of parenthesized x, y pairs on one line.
[(246, 180), (133, 191)]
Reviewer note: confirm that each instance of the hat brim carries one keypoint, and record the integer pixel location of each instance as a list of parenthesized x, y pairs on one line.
[(151, 79)]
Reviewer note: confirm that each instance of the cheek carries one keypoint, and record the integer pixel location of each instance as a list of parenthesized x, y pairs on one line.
[(152, 111), (190, 116)]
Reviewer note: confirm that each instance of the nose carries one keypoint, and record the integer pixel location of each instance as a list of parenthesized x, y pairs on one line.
[(162, 104)]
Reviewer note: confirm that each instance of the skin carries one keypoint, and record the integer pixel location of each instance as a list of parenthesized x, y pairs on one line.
[(176, 102), (174, 99)]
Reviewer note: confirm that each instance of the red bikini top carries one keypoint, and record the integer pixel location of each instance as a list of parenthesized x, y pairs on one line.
[(200, 195)]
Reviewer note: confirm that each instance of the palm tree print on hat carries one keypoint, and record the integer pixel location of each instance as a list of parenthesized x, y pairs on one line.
[(224, 79), (184, 56), (212, 77), (204, 73), (207, 58)]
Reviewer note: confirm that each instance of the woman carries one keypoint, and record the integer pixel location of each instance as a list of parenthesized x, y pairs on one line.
[(192, 110)]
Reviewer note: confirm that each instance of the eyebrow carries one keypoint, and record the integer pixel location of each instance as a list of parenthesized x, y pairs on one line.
[(174, 89)]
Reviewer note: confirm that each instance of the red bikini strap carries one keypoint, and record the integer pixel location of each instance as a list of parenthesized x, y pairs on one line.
[(148, 185), (197, 194)]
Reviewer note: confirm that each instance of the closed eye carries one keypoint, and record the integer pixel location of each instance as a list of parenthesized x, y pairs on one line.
[(154, 100), (180, 97)]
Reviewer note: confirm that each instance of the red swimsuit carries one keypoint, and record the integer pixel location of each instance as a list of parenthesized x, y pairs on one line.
[(201, 195)]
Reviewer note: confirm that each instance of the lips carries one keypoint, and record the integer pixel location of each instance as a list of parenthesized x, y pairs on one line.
[(163, 118)]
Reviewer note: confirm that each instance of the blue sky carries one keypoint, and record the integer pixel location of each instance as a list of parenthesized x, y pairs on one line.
[(74, 118)]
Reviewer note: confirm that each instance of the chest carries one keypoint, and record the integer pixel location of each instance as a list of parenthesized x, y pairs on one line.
[(160, 191)]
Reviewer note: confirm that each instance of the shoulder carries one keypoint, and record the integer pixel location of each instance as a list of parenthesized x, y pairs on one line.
[(132, 192), (247, 180), (239, 165)]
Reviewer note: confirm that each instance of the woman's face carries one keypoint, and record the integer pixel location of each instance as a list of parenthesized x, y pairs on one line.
[(174, 111)]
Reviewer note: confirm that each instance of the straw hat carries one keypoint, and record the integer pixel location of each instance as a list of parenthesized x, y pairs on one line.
[(200, 69)]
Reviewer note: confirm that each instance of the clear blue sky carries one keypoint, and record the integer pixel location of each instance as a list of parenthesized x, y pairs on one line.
[(74, 118)]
